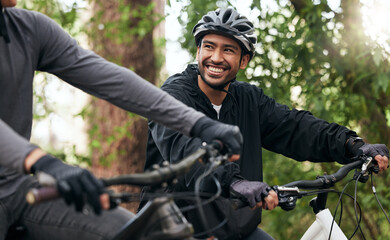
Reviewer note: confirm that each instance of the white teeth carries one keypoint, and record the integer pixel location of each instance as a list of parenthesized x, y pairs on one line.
[(214, 69)]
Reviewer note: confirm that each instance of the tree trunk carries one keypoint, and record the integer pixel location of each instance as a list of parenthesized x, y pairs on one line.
[(119, 138)]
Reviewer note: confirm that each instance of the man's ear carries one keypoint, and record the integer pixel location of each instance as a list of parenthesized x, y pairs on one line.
[(244, 61), (197, 52)]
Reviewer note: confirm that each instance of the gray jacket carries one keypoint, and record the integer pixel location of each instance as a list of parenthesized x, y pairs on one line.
[(38, 43)]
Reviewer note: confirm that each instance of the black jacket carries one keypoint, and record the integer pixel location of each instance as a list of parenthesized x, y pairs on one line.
[(264, 124)]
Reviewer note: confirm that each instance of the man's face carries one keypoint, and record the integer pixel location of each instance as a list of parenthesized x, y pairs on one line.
[(8, 3), (219, 59)]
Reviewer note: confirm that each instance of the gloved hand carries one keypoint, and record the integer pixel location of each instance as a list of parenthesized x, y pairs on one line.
[(73, 183), (251, 191), (357, 147), (208, 130)]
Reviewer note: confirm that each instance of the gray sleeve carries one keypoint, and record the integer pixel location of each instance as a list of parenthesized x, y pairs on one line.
[(61, 55), (13, 148)]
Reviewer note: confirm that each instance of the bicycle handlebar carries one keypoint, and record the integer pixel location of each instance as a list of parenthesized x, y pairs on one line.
[(154, 177), (288, 193), (325, 181), (157, 176)]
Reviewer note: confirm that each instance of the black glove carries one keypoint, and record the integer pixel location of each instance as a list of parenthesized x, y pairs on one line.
[(73, 183), (208, 130), (375, 149), (250, 191), (356, 147)]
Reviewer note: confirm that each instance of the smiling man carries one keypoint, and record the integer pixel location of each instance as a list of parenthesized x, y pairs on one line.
[(225, 44)]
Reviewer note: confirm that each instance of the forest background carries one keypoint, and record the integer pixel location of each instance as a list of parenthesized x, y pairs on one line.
[(328, 57)]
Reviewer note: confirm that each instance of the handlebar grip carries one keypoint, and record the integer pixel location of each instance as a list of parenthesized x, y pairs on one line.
[(38, 195)]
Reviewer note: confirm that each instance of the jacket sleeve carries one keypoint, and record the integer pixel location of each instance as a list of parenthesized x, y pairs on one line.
[(13, 148), (174, 146), (300, 135), (60, 55)]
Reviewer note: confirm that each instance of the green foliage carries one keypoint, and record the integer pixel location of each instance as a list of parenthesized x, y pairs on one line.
[(122, 30), (63, 14)]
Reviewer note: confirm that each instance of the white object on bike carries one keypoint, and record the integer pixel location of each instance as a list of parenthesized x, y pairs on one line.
[(320, 228)]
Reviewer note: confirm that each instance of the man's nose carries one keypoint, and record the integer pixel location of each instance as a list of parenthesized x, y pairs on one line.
[(217, 57)]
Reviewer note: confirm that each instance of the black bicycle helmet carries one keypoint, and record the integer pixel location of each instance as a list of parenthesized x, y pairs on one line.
[(230, 23)]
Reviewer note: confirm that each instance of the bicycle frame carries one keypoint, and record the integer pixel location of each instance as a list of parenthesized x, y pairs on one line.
[(322, 227), (171, 222)]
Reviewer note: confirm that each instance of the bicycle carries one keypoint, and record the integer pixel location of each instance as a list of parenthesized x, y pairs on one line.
[(325, 227), (160, 218)]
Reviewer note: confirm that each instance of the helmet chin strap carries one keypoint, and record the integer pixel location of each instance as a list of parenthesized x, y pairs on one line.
[(3, 27), (220, 87)]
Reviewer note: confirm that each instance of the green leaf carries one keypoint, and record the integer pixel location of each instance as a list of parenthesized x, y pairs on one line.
[(383, 82), (95, 144), (377, 57)]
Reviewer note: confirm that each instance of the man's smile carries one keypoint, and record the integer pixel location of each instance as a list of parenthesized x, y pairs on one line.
[(215, 69)]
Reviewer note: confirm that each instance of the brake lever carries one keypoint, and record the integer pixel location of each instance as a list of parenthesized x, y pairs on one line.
[(288, 196), (367, 164), (368, 167), (213, 154)]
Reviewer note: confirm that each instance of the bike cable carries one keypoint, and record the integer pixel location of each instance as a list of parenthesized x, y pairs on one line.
[(377, 199), (200, 209), (211, 199), (358, 219), (339, 203)]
